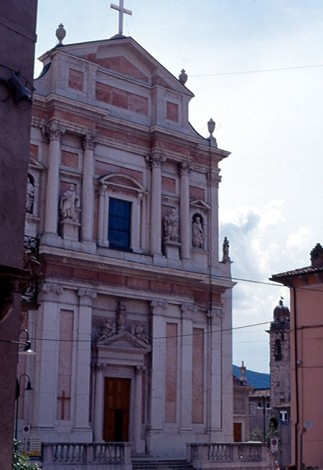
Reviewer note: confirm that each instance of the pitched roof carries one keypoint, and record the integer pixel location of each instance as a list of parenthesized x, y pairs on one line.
[(296, 272), (315, 268), (254, 379)]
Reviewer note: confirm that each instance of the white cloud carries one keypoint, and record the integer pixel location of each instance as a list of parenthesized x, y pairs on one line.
[(299, 240), (256, 246)]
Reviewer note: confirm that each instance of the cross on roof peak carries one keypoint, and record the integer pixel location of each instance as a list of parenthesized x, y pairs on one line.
[(122, 11)]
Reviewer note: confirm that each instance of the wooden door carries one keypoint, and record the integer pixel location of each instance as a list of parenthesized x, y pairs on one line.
[(116, 410), (237, 432)]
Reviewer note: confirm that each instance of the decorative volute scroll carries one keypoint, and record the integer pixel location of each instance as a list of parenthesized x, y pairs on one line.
[(89, 142), (156, 160), (216, 311), (53, 130), (87, 293)]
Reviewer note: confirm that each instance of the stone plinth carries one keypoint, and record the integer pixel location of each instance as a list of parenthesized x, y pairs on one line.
[(171, 249), (70, 229)]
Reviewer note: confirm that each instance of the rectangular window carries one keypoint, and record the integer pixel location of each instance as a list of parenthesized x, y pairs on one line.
[(283, 415), (119, 224)]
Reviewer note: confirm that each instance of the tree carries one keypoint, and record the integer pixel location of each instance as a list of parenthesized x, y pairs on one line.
[(21, 461), (256, 435)]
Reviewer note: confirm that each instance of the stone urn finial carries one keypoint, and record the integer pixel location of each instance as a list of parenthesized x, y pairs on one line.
[(183, 77), (211, 129), (60, 34)]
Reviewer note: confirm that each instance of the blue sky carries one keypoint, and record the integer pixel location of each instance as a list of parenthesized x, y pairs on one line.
[(271, 120)]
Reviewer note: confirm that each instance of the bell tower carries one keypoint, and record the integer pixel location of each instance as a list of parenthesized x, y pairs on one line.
[(280, 378)]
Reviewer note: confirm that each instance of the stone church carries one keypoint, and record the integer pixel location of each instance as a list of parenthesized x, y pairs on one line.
[(132, 323)]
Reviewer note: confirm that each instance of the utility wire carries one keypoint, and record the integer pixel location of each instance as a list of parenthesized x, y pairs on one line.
[(219, 74), (157, 337), (243, 72)]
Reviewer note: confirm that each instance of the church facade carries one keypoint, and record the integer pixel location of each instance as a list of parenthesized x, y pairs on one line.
[(133, 324)]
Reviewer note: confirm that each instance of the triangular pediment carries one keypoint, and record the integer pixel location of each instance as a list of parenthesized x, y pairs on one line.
[(35, 164), (199, 204), (123, 340), (125, 57), (123, 66)]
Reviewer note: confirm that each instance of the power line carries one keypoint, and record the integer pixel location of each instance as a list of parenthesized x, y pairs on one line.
[(155, 338), (219, 74), (244, 72)]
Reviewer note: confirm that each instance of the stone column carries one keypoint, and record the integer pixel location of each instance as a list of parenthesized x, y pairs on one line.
[(213, 180), (83, 362), (55, 133), (157, 398), (156, 162), (139, 442), (102, 224), (186, 367), (185, 210), (45, 414), (87, 189)]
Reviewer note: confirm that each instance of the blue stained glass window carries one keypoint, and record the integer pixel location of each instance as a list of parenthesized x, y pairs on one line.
[(119, 224)]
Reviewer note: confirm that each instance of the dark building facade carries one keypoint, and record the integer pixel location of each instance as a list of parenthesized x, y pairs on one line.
[(17, 39)]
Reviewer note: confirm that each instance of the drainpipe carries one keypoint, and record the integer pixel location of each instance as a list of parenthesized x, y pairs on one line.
[(297, 425)]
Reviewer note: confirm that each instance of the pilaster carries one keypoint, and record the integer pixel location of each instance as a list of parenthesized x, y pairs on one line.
[(156, 161), (157, 399), (213, 180), (215, 403), (45, 414), (83, 359), (184, 172), (186, 367), (139, 442)]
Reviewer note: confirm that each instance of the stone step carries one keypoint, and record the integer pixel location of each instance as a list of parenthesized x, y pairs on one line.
[(156, 464)]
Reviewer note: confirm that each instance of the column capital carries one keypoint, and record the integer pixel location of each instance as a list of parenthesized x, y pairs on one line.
[(87, 293), (184, 168), (51, 290), (89, 141), (156, 160), (102, 188), (159, 304), (213, 177), (49, 287), (54, 131), (188, 308), (215, 312)]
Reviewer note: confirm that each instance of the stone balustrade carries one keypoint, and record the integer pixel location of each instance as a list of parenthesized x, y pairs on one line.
[(229, 456), (117, 456), (99, 456)]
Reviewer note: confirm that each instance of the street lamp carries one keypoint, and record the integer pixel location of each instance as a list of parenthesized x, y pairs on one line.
[(28, 387), (27, 349)]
